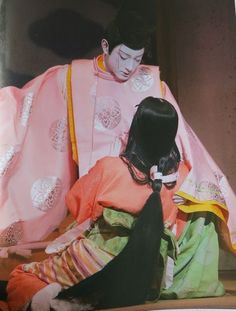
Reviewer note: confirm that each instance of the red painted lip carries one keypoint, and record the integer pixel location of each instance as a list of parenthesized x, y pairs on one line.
[(125, 74)]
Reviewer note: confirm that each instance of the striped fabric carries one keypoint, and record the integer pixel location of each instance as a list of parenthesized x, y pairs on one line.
[(81, 259)]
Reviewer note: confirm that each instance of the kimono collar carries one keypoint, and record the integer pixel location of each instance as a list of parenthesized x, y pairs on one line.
[(100, 69)]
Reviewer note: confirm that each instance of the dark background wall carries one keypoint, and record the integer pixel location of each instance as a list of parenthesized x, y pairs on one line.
[(194, 45)]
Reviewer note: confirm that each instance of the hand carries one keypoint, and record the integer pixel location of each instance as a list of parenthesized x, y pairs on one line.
[(42, 300), (179, 200)]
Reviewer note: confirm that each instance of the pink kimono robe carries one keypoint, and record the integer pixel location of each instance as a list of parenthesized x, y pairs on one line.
[(36, 167)]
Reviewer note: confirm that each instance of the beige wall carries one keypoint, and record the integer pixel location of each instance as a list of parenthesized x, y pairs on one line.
[(205, 73)]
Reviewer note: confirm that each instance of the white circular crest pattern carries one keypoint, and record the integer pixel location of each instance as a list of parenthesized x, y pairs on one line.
[(209, 191), (45, 192), (12, 234), (107, 113), (58, 134), (143, 80)]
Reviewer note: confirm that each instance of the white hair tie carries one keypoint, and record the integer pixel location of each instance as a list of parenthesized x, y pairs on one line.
[(154, 174)]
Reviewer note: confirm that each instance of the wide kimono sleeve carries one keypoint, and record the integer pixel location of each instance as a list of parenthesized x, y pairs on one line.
[(36, 168), (206, 185), (81, 200)]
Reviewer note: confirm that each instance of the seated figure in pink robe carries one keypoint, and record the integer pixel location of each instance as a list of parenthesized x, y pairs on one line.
[(73, 115)]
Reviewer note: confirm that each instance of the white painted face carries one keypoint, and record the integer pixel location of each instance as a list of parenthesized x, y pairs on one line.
[(122, 61)]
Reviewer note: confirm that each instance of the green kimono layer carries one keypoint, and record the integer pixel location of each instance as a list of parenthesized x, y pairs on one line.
[(195, 254)]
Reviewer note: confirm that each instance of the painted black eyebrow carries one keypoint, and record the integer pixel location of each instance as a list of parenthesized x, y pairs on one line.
[(124, 53), (130, 55)]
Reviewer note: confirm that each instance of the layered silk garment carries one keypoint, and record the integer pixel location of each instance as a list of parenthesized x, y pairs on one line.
[(102, 196), (84, 109)]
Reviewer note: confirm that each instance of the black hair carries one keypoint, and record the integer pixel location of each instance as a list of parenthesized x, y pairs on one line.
[(127, 279), (152, 136), (128, 28)]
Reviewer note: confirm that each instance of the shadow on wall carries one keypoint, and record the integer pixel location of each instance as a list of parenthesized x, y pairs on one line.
[(67, 33), (70, 35)]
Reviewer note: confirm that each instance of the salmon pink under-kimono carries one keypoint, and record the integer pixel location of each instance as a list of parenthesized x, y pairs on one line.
[(80, 113)]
